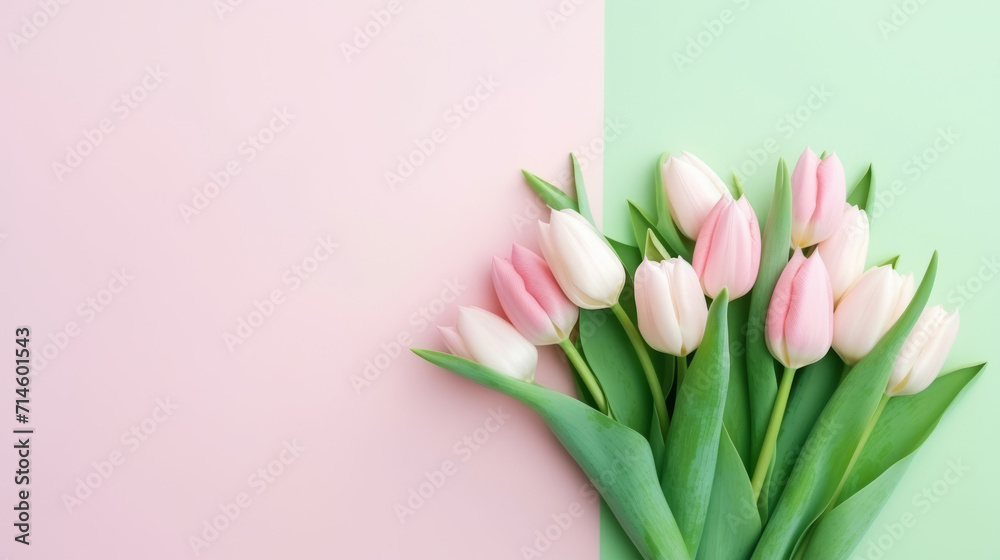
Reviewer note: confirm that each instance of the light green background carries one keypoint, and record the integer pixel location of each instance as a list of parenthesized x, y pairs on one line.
[(892, 90)]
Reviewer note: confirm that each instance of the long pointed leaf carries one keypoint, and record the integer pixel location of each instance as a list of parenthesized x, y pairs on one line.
[(737, 415), (761, 376), (904, 425), (863, 193), (549, 193), (617, 460), (582, 200), (693, 437), (837, 432), (732, 525)]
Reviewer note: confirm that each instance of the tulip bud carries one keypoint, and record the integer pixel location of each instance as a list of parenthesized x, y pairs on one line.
[(692, 189), (484, 338), (727, 252), (671, 306), (585, 267), (845, 251), (869, 308), (531, 298), (799, 323), (818, 194), (924, 352)]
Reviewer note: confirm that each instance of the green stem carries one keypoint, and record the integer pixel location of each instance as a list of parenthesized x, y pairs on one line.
[(850, 466), (771, 436), (586, 374), (682, 367), (847, 369), (659, 403)]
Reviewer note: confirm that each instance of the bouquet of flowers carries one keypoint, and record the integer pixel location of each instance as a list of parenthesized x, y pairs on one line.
[(742, 393)]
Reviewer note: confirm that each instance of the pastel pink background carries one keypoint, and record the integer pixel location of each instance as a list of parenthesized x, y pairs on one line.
[(161, 337)]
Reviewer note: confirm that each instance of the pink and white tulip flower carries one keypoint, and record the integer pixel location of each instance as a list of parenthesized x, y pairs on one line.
[(924, 352), (484, 338), (583, 264), (727, 251), (799, 324), (692, 189), (532, 299), (670, 305), (869, 308), (819, 191), (845, 251)]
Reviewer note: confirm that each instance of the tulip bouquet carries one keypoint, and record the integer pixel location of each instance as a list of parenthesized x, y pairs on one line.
[(741, 393)]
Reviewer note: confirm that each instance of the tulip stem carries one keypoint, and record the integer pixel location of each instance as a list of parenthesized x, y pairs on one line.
[(659, 403), (771, 436), (682, 367), (586, 374), (857, 451)]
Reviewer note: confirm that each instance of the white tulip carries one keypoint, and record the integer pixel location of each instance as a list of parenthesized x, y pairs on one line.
[(585, 267), (869, 308), (484, 338), (692, 189), (924, 352), (845, 251), (671, 306)]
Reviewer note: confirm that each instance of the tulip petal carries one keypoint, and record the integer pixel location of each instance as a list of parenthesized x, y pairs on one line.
[(542, 285), (496, 344), (520, 306), (831, 194), (809, 322), (777, 309), (454, 342), (657, 316), (804, 188)]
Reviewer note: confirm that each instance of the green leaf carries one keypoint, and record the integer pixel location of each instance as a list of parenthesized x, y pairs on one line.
[(550, 193), (737, 414), (616, 459), (814, 386), (837, 432), (903, 427), (641, 223), (616, 366), (693, 437), (737, 190), (762, 381), (863, 193), (630, 256), (664, 223), (581, 191), (654, 249), (890, 261), (732, 525), (615, 543)]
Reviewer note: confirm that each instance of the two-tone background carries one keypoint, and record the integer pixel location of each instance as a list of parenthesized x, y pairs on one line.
[(225, 221)]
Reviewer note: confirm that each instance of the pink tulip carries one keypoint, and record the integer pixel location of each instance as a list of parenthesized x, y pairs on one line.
[(799, 323), (531, 297), (818, 195), (727, 251)]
